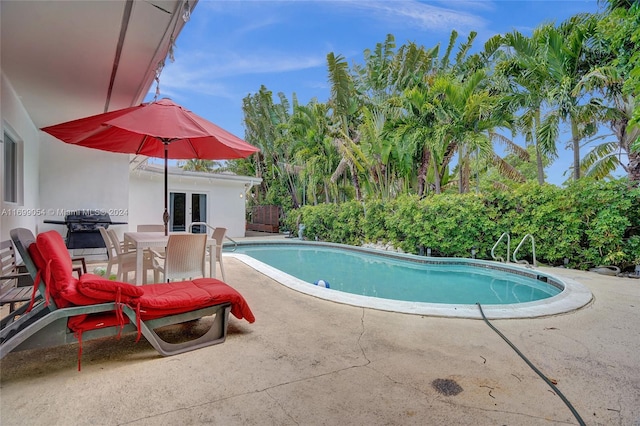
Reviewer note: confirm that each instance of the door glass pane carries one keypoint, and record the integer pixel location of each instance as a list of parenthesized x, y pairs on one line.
[(178, 208), (199, 212)]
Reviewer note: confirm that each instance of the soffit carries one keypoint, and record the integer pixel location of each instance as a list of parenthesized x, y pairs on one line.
[(61, 56)]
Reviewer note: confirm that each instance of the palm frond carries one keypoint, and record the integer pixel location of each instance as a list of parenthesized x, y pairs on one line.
[(444, 63), (339, 171), (507, 170), (548, 134), (511, 146), (340, 82), (603, 167)]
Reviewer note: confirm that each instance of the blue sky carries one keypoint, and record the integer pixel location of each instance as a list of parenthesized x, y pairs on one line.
[(230, 48)]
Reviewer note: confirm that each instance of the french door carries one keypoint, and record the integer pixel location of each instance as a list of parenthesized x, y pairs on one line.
[(186, 208)]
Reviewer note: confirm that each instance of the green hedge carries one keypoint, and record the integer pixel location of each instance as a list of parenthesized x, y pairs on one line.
[(590, 223)]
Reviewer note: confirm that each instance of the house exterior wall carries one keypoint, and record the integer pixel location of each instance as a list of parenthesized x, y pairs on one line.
[(15, 121), (79, 178), (56, 177), (227, 207), (225, 199), (146, 201)]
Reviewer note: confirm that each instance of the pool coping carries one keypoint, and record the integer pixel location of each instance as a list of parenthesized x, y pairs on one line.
[(574, 295)]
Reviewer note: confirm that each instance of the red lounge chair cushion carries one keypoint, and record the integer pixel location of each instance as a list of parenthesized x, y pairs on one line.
[(160, 300), (82, 323), (73, 297), (52, 249), (154, 301), (36, 256), (58, 268), (106, 290)]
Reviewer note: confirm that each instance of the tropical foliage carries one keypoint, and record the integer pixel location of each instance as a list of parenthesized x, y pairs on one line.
[(197, 165), (410, 124), (588, 223)]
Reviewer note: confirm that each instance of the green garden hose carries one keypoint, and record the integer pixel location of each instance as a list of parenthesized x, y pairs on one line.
[(534, 368)]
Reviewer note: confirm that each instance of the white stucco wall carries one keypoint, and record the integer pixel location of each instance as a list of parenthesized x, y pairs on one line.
[(77, 178), (15, 121), (227, 207), (225, 199), (146, 201)]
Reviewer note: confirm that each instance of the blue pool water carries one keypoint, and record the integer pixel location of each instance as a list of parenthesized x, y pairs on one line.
[(363, 273)]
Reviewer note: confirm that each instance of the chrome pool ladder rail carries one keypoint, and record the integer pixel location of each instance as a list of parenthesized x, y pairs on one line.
[(533, 251), (504, 234), (235, 244)]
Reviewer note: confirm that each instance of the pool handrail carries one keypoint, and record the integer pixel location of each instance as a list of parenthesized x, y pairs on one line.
[(533, 251), (508, 247), (235, 244)]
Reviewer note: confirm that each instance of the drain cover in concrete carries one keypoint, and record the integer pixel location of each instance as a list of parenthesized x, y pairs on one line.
[(447, 387)]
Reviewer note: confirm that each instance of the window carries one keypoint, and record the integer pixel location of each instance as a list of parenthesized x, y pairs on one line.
[(10, 169)]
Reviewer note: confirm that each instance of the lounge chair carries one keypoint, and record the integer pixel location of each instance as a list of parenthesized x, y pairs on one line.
[(92, 307)]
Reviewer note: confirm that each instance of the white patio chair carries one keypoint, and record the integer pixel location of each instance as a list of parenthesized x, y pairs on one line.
[(150, 228), (125, 260), (218, 235), (124, 247), (183, 259)]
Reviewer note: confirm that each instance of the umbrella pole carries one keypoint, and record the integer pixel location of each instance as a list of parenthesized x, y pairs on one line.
[(165, 216)]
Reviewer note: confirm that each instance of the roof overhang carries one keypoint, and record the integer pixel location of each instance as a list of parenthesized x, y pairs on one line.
[(158, 171), (71, 59)]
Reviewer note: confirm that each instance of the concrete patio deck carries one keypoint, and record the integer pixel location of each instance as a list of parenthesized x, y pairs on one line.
[(307, 361)]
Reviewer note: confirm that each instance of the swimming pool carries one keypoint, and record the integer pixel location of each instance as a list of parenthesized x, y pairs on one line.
[(413, 284)]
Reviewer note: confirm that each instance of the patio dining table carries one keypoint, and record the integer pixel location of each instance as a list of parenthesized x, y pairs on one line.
[(157, 240)]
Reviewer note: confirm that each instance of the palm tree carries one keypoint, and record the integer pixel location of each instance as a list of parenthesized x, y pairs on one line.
[(472, 106), (362, 103), (200, 165), (568, 59), (266, 127), (617, 112), (611, 5), (316, 155), (525, 69), (345, 108), (415, 137), (616, 77)]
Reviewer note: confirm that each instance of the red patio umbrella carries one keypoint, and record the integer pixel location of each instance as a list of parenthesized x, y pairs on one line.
[(155, 129)]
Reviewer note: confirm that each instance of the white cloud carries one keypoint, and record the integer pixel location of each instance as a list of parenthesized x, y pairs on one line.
[(220, 58), (206, 74), (469, 4), (265, 63), (177, 79), (418, 15), (227, 64)]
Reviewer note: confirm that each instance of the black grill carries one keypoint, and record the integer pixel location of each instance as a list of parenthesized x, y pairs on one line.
[(82, 228)]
